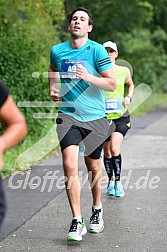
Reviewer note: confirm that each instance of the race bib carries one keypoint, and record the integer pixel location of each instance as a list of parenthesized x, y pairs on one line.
[(69, 67), (113, 105)]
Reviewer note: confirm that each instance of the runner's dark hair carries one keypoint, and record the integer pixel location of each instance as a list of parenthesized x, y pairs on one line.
[(81, 9)]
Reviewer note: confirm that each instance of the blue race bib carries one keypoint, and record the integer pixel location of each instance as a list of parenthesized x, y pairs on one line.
[(69, 67), (113, 105)]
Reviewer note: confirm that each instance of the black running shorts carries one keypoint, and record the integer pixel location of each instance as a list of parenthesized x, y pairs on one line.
[(122, 125), (92, 134)]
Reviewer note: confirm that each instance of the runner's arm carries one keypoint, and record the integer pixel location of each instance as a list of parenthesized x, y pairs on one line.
[(107, 82), (54, 78), (130, 84), (15, 124)]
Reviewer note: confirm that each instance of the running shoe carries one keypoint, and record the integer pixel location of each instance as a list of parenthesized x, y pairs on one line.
[(96, 220), (111, 188), (77, 229), (119, 192)]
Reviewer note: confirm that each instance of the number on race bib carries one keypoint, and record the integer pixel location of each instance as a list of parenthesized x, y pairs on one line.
[(113, 105), (69, 68), (72, 69)]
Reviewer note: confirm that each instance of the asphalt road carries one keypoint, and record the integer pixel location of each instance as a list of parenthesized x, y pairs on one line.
[(38, 214)]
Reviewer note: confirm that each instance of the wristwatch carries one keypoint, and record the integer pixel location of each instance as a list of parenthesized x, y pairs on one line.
[(129, 97)]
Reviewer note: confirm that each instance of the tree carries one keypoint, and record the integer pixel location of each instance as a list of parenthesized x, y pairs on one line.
[(28, 30)]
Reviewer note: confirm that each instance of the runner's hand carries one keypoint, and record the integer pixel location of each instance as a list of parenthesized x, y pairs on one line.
[(82, 73), (55, 94), (127, 101)]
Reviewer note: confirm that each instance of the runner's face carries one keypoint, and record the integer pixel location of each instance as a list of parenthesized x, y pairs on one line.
[(79, 26), (111, 53)]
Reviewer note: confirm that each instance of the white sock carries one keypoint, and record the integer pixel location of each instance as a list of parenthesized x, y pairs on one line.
[(78, 218), (97, 207)]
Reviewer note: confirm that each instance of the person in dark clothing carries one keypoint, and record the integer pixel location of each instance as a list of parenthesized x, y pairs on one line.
[(15, 130)]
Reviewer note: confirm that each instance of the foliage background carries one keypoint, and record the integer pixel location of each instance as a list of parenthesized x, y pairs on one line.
[(28, 29), (139, 29)]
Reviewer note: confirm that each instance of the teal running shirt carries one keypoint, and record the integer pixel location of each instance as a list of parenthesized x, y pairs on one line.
[(80, 99)]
